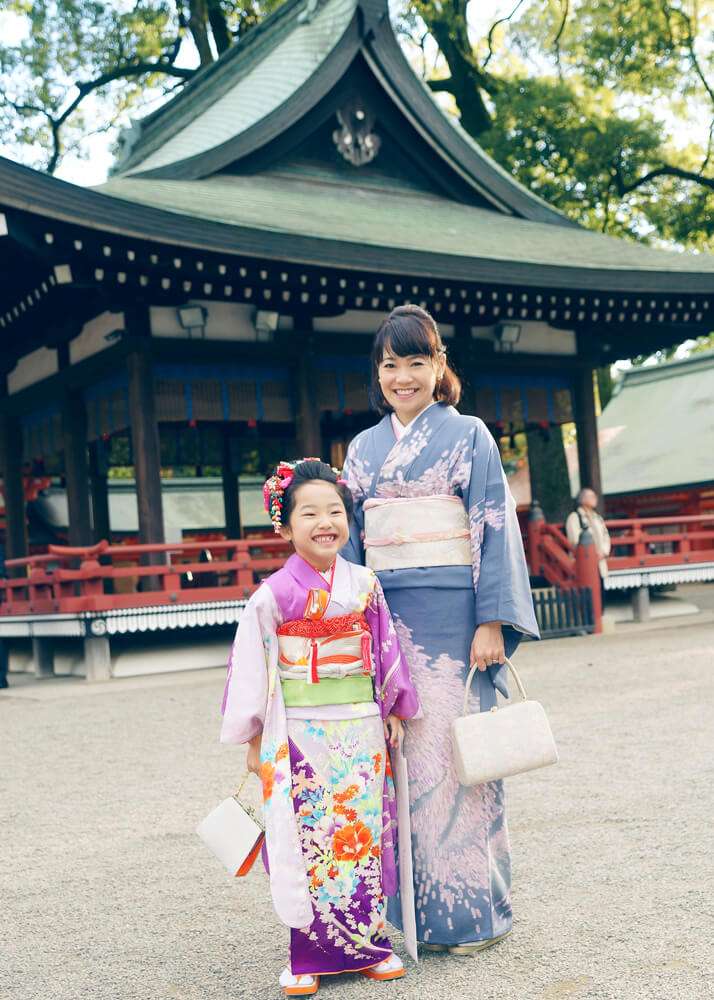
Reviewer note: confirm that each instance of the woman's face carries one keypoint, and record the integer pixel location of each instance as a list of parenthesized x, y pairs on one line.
[(408, 384)]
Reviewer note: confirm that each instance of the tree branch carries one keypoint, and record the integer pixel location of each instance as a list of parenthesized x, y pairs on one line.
[(693, 57), (492, 31), (666, 170), (559, 34)]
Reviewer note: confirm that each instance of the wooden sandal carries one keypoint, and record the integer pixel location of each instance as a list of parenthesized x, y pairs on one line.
[(386, 969), (294, 986)]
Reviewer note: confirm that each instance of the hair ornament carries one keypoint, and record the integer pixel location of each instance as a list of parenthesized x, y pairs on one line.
[(275, 487)]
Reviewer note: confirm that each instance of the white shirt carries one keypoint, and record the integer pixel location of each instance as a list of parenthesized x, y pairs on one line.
[(400, 429)]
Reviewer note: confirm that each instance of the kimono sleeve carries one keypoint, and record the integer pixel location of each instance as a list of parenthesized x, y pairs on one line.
[(352, 473), (246, 692), (501, 582), (395, 691)]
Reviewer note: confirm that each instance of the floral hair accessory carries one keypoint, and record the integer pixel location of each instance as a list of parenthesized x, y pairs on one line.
[(274, 489)]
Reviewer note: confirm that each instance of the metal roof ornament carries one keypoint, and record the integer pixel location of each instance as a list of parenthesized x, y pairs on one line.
[(355, 140)]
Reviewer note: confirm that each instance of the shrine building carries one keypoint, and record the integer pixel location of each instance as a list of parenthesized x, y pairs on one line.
[(210, 307)]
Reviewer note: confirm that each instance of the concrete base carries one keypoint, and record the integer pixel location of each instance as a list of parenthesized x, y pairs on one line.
[(98, 659), (641, 604), (43, 657), (661, 606)]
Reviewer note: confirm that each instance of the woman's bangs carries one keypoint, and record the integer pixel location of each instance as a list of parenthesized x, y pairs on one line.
[(404, 336)]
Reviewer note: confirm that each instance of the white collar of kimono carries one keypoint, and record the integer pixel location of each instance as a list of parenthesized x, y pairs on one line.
[(400, 429)]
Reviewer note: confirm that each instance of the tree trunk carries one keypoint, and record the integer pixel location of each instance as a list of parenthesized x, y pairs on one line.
[(550, 484), (219, 27), (198, 26)]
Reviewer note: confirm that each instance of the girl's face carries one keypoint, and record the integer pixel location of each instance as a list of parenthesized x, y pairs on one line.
[(408, 384), (318, 523)]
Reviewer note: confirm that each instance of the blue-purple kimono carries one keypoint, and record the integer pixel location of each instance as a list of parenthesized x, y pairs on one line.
[(461, 853)]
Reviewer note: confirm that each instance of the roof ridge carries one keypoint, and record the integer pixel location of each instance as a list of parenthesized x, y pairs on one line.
[(677, 366), (174, 110)]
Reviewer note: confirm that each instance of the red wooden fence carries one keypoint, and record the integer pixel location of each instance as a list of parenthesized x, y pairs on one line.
[(105, 577)]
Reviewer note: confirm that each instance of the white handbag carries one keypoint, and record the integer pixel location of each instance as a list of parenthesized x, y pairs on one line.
[(501, 742), (233, 832)]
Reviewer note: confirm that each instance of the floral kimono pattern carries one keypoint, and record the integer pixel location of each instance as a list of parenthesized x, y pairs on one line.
[(460, 841), (327, 788)]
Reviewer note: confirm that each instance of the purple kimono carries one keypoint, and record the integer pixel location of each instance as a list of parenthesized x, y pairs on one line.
[(327, 786)]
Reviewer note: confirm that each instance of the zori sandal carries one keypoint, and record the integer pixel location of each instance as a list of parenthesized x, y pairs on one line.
[(390, 968), (298, 986), (474, 947)]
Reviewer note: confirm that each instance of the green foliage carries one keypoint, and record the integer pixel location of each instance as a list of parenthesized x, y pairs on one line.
[(596, 105), (78, 67)]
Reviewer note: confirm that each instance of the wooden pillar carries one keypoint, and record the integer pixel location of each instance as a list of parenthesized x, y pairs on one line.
[(460, 357), (99, 489), (76, 469), (309, 431), (586, 425), (13, 488), (229, 472), (145, 446)]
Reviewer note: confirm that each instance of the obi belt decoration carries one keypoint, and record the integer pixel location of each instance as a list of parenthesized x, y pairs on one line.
[(395, 535), (310, 649)]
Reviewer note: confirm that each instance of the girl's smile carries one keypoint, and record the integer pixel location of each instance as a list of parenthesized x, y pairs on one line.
[(318, 525)]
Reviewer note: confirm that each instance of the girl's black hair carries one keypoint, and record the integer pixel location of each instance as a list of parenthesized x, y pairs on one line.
[(310, 471), (409, 330)]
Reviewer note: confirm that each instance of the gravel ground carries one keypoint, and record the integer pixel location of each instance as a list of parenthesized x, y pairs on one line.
[(107, 894)]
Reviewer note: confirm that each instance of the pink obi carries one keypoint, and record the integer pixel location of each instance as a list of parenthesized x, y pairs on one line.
[(395, 535)]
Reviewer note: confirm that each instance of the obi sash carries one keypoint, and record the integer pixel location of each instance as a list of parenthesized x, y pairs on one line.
[(396, 535), (326, 661)]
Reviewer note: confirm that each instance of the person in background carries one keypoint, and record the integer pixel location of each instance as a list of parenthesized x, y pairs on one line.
[(585, 516)]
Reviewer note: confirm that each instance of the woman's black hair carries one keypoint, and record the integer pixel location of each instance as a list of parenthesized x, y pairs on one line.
[(310, 471), (409, 330)]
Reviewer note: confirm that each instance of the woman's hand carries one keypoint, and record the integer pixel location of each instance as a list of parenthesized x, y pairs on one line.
[(487, 645), (393, 730), (253, 758)]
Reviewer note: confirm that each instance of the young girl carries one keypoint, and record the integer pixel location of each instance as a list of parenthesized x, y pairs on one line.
[(317, 687)]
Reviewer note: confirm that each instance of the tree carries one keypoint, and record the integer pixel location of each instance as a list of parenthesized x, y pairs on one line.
[(593, 104), (82, 66)]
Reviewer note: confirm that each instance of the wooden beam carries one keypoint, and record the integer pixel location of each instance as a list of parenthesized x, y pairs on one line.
[(145, 446), (231, 498), (76, 469), (13, 488), (586, 425)]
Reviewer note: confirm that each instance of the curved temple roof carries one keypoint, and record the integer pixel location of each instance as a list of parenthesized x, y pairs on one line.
[(231, 166)]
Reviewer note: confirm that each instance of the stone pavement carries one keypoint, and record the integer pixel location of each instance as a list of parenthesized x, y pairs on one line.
[(107, 894)]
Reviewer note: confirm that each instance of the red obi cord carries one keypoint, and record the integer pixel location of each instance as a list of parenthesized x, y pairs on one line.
[(323, 628)]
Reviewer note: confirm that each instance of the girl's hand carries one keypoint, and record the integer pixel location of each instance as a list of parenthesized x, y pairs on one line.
[(487, 646), (393, 730), (253, 758)]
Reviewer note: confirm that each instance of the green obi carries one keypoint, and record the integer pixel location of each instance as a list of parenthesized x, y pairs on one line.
[(329, 691)]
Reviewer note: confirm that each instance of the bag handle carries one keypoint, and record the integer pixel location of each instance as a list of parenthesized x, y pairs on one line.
[(517, 679)]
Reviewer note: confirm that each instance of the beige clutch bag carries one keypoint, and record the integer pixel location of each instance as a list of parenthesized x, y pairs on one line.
[(502, 742), (233, 833)]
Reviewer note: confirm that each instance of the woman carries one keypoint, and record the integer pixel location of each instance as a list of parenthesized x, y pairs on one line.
[(435, 519)]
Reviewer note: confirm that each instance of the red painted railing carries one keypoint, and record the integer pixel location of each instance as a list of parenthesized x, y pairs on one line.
[(650, 542), (637, 543), (105, 577)]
